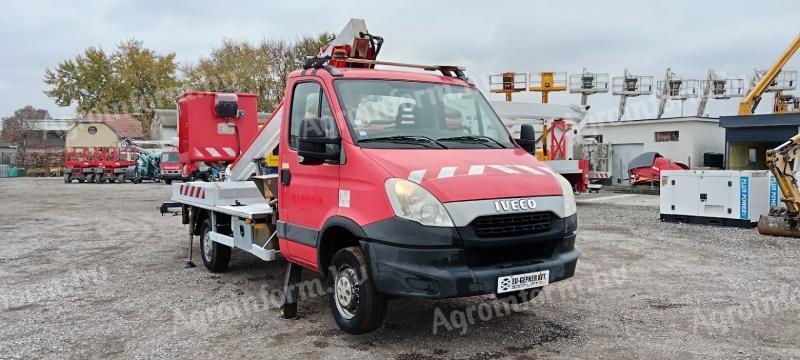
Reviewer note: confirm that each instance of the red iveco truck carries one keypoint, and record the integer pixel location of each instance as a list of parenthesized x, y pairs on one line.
[(391, 184)]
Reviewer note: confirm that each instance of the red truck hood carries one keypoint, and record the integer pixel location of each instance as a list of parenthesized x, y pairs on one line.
[(470, 174)]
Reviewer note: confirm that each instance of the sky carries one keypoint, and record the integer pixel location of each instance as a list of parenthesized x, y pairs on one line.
[(487, 37)]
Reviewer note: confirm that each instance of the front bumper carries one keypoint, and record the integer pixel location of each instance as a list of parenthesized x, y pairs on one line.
[(171, 176), (440, 272)]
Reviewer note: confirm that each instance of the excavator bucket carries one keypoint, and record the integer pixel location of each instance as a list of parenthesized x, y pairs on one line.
[(778, 225)]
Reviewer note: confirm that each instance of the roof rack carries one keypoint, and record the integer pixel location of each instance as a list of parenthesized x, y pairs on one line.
[(446, 70)]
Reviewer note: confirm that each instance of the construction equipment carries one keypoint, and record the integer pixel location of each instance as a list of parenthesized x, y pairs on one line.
[(630, 85), (773, 80), (147, 167), (587, 83), (558, 126), (508, 83), (98, 164), (675, 88), (781, 221), (547, 82), (382, 174), (718, 88)]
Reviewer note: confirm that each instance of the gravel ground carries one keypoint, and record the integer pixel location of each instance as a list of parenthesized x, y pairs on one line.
[(93, 271)]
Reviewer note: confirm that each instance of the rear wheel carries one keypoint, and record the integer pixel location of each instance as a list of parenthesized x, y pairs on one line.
[(355, 302), (215, 255)]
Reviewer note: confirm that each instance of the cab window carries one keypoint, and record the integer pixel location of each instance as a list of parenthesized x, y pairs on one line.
[(308, 100)]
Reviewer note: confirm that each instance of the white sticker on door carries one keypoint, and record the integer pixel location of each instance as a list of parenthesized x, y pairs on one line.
[(344, 198)]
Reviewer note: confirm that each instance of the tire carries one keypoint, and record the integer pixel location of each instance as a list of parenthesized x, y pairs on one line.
[(81, 180), (215, 255), (355, 302), (168, 182), (519, 297), (67, 178)]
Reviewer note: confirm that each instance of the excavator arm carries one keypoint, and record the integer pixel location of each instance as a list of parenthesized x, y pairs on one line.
[(749, 102), (783, 221), (779, 162)]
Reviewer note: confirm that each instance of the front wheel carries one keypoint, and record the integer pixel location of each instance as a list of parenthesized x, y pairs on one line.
[(168, 182), (215, 255), (355, 302)]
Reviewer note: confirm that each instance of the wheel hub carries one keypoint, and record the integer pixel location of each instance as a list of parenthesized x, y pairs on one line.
[(346, 292), (208, 247)]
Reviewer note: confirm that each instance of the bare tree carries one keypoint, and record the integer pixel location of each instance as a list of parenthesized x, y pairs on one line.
[(18, 130)]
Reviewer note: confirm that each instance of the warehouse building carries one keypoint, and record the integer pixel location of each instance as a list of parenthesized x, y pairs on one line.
[(680, 139), (748, 137)]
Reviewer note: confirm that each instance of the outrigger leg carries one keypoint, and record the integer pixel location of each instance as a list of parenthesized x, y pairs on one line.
[(291, 290), (189, 264)]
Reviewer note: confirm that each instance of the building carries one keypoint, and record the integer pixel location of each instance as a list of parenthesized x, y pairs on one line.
[(91, 134), (164, 126), (103, 130), (680, 139), (748, 137), (125, 125), (44, 134), (8, 153)]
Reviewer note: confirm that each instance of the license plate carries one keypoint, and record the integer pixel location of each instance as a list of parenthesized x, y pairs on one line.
[(522, 281)]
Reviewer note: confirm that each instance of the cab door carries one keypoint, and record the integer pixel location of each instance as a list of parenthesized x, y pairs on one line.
[(309, 194)]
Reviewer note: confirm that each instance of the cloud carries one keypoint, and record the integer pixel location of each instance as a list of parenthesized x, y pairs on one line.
[(487, 37)]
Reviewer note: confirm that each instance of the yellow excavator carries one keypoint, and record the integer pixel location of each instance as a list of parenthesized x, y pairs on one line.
[(780, 221)]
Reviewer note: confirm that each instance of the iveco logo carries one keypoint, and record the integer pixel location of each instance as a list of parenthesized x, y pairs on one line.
[(514, 205)]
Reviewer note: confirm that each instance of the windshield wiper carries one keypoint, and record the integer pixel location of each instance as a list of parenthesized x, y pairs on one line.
[(473, 138), (407, 139)]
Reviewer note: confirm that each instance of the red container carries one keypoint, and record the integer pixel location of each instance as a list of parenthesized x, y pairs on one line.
[(210, 129)]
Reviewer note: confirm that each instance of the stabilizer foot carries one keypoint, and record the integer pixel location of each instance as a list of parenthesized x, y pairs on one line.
[(291, 291)]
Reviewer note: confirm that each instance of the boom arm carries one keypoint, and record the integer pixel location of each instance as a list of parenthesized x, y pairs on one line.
[(750, 101), (779, 162), (353, 34)]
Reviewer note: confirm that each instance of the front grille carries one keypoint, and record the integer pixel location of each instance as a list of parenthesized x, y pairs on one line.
[(512, 224), (523, 253)]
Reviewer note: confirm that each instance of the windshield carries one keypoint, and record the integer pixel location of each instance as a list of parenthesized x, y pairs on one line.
[(404, 114), (169, 157)]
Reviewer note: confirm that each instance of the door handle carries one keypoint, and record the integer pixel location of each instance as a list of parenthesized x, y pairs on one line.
[(286, 176)]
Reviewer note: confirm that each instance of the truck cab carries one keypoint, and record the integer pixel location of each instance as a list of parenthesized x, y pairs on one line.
[(171, 168), (416, 175)]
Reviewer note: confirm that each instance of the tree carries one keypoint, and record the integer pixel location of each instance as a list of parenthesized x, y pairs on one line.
[(261, 69), (133, 80), (17, 129)]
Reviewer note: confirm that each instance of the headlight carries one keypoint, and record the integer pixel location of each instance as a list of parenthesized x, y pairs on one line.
[(569, 196), (411, 201)]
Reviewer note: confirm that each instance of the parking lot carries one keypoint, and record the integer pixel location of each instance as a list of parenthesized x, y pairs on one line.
[(92, 271)]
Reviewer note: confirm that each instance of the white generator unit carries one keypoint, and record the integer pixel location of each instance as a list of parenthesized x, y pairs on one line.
[(717, 197)]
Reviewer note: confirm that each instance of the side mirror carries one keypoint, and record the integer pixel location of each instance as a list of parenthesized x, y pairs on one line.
[(318, 141), (527, 138)]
